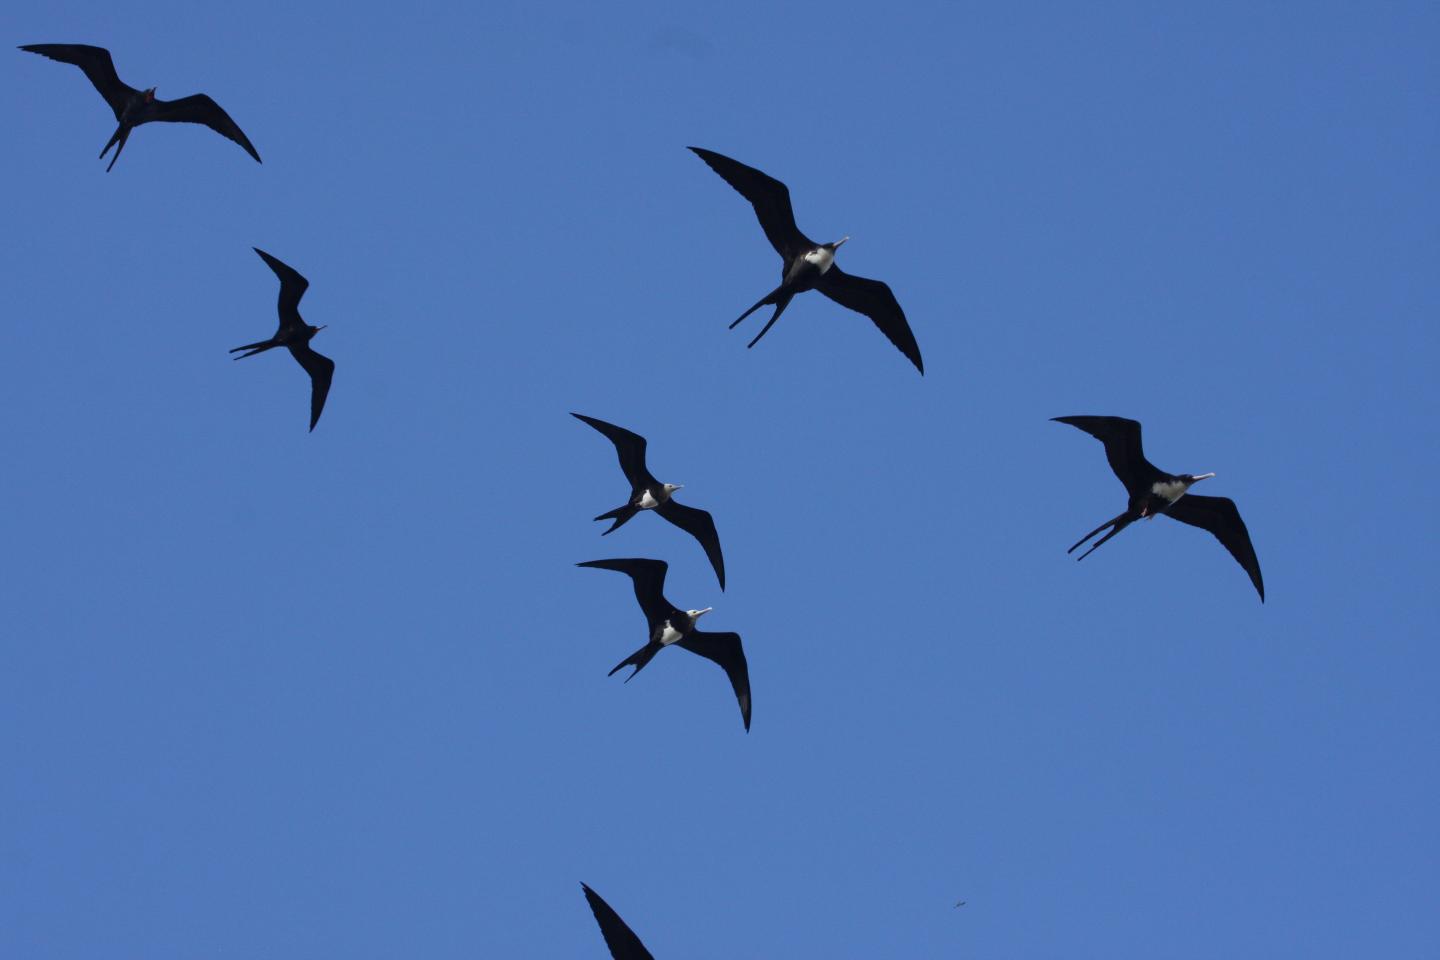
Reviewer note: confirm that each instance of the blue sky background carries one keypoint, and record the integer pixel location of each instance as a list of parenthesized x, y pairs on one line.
[(274, 694)]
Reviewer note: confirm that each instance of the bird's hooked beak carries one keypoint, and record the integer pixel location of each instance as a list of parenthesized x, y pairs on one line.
[(838, 242), (1203, 476), (321, 327), (700, 613)]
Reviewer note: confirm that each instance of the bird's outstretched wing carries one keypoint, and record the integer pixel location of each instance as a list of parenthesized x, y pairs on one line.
[(98, 66), (629, 446), (621, 940), (648, 577), (1220, 516), (292, 288), (724, 649), (875, 300), (198, 108), (1122, 448), (769, 197), (321, 370), (699, 525)]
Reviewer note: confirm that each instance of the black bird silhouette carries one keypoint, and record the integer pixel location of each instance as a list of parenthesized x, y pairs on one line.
[(133, 107), (621, 940), (809, 265), (647, 493), (1153, 491), (295, 334), (669, 624)]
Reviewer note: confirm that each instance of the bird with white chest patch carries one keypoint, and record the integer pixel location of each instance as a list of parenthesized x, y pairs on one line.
[(669, 625), (647, 493), (809, 265), (1153, 491)]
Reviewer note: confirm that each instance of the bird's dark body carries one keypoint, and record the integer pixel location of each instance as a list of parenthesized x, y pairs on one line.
[(647, 493), (1153, 491), (724, 649), (771, 200), (295, 335), (135, 107)]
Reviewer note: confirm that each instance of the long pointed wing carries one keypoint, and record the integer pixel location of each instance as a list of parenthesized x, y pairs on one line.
[(621, 940), (699, 525), (292, 288), (96, 63), (321, 370), (724, 649), (1122, 448), (629, 446), (769, 197), (875, 300), (648, 577), (198, 108), (1220, 516)]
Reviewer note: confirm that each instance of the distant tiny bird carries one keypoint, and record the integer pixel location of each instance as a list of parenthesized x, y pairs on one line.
[(295, 335), (621, 940), (669, 624), (809, 265), (647, 493), (1153, 491), (959, 903), (133, 107)]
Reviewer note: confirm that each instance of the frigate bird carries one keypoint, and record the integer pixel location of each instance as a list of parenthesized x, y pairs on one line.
[(647, 493), (1153, 491), (669, 624), (621, 940), (295, 335), (809, 265), (133, 107)]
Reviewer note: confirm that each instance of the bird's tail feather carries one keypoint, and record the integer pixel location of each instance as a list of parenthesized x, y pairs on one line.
[(768, 298), (638, 660), (260, 346), (1117, 523), (780, 306), (117, 140), (620, 515)]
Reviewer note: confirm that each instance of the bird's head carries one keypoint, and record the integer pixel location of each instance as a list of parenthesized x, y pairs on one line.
[(697, 614), (150, 95), (314, 330), (672, 487), (832, 247)]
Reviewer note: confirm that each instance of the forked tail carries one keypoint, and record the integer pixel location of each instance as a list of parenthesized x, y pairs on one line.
[(251, 349), (780, 298), (1118, 523), (638, 659), (117, 140), (619, 515)]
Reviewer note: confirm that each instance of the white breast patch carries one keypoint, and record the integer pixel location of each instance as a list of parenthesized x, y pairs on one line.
[(823, 259), (669, 634), (648, 501), (1171, 490)]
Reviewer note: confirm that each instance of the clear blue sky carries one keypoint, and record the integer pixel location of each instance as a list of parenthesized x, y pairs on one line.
[(274, 694)]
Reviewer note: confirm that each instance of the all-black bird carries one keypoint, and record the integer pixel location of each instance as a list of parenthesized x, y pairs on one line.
[(621, 940), (133, 107), (647, 493), (1153, 491), (295, 335), (809, 265), (669, 624)]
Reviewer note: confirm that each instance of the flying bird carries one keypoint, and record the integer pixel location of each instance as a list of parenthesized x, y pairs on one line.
[(1153, 491), (647, 493), (133, 107), (669, 624), (621, 940), (295, 335), (809, 265)]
